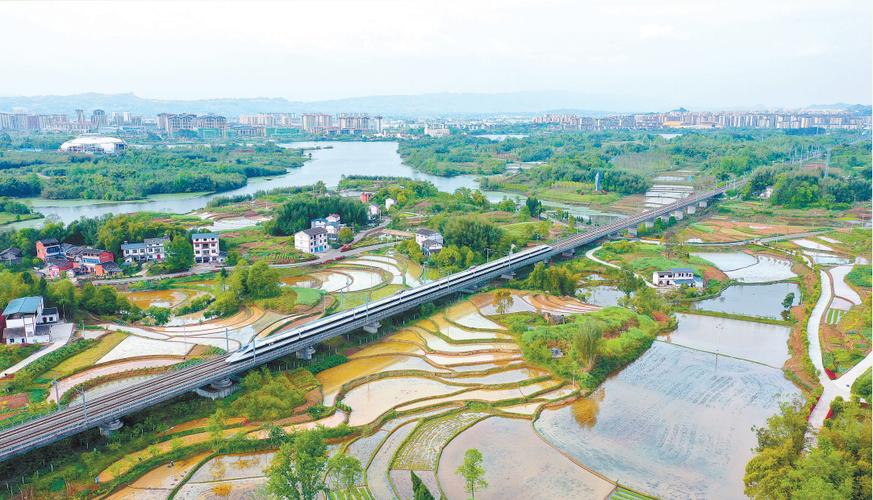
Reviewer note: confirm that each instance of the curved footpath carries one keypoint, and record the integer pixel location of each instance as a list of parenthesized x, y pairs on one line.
[(832, 388), (590, 255)]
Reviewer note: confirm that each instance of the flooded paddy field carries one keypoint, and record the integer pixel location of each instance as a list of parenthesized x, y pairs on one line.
[(749, 268), (758, 342), (764, 301), (673, 424), (518, 463)]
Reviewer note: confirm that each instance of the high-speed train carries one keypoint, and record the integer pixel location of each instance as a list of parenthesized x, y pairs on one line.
[(414, 296)]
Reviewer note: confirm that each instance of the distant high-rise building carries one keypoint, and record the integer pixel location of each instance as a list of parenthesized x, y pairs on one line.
[(317, 122), (98, 118), (80, 116), (172, 123)]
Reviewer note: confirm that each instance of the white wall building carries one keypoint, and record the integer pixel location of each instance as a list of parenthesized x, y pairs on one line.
[(206, 248), (94, 144), (28, 320), (676, 277), (151, 249), (312, 240)]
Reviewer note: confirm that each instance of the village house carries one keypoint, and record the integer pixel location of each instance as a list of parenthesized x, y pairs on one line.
[(331, 224), (389, 202), (63, 258), (312, 240), (206, 248), (10, 257), (676, 277), (48, 248), (150, 250), (430, 241), (373, 211), (26, 320)]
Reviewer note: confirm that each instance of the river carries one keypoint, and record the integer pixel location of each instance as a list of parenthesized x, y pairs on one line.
[(328, 164)]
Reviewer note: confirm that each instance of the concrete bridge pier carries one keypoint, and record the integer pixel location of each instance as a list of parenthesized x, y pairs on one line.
[(649, 224), (109, 427), (568, 254), (372, 327), (702, 203), (217, 390), (690, 209), (508, 276), (677, 214), (307, 353)]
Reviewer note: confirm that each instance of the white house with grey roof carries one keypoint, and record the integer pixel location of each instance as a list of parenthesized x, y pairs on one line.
[(312, 240), (430, 241), (150, 249)]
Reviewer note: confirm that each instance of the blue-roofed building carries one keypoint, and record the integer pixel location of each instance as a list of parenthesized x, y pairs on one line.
[(26, 321)]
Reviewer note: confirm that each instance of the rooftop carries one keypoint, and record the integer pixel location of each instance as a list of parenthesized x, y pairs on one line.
[(204, 236), (22, 305), (426, 232), (315, 231)]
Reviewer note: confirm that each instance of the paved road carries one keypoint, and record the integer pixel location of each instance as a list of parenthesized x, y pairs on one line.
[(832, 388)]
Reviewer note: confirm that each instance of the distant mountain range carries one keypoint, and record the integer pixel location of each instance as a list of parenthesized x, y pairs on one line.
[(421, 105)]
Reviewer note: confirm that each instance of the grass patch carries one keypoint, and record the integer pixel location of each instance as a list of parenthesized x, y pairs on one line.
[(860, 276), (12, 354), (85, 358)]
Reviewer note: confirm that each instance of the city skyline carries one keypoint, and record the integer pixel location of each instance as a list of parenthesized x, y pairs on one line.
[(620, 56)]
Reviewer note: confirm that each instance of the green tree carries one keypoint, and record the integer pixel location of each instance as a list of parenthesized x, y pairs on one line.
[(346, 235), (628, 282), (262, 281), (180, 255), (215, 428), (473, 472), (62, 293), (503, 300), (344, 471), (779, 446), (584, 345), (298, 467), (788, 301)]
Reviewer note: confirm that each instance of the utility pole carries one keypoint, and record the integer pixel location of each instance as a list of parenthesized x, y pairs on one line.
[(226, 341)]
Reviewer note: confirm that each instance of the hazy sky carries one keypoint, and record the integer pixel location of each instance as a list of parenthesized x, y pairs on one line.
[(698, 52)]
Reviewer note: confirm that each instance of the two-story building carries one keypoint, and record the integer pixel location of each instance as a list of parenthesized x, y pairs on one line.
[(90, 258), (206, 248), (676, 277), (27, 321), (312, 240), (430, 241), (150, 250), (49, 247), (331, 224)]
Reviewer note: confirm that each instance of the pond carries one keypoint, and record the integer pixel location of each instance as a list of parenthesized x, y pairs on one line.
[(602, 295), (328, 164), (749, 340), (673, 424), (764, 301)]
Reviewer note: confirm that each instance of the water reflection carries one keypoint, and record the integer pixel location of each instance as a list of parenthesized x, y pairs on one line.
[(328, 165)]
